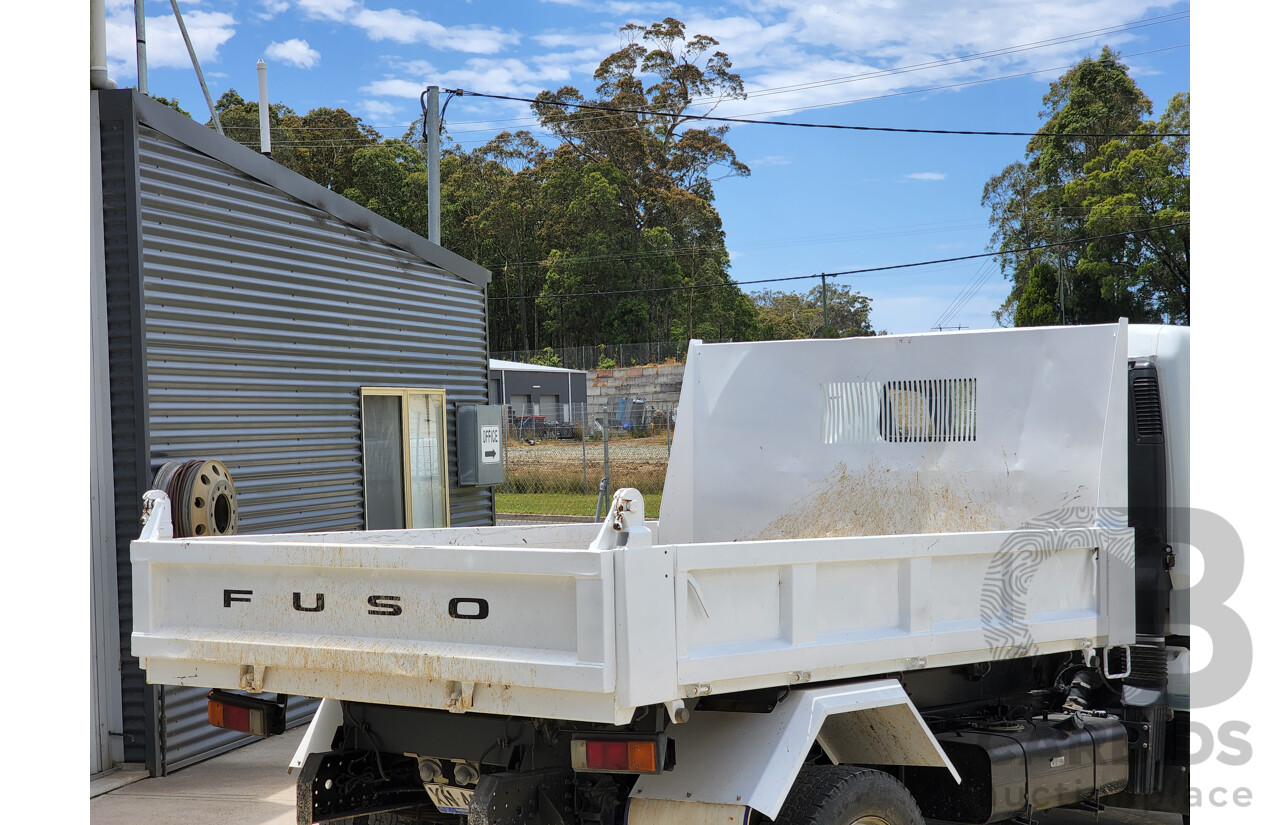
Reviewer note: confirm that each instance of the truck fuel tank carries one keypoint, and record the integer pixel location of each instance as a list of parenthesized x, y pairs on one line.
[(1010, 768)]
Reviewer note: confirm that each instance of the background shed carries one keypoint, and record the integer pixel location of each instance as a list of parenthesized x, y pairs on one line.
[(532, 389)]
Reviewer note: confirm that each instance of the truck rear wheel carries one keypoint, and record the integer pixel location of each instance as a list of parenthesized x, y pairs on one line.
[(840, 795)]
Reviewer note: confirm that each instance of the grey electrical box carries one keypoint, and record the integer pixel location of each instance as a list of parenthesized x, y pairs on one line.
[(480, 447)]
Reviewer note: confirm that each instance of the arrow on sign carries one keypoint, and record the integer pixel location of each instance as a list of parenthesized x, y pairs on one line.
[(490, 453)]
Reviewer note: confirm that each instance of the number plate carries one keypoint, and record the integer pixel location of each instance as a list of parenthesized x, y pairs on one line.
[(450, 799)]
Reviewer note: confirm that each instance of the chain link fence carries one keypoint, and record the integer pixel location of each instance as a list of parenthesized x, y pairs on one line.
[(563, 462), (603, 356)]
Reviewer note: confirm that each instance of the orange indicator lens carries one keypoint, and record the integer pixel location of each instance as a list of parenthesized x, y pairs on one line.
[(642, 756)]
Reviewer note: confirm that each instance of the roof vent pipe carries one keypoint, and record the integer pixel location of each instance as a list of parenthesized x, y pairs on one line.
[(98, 46), (264, 111)]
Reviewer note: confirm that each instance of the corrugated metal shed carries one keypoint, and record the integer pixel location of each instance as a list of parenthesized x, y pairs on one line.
[(513, 378), (267, 303)]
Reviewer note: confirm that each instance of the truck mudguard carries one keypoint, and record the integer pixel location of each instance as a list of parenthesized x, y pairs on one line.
[(752, 759)]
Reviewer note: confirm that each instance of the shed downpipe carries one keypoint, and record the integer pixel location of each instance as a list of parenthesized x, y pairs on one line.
[(98, 78)]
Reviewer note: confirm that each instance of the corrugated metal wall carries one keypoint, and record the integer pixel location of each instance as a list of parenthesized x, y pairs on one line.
[(107, 744), (264, 317), (127, 371)]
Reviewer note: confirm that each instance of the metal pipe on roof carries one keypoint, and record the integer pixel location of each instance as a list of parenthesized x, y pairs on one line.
[(264, 111), (140, 35), (204, 87)]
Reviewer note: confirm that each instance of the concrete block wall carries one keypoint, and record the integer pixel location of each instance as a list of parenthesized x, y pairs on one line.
[(659, 386)]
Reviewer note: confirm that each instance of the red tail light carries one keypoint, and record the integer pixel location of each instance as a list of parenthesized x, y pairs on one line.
[(617, 755), (222, 715), (260, 717)]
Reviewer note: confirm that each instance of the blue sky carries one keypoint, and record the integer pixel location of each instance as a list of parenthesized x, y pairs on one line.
[(817, 200)]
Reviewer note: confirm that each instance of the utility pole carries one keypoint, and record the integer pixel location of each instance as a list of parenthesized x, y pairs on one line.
[(1062, 300), (432, 115), (824, 303)]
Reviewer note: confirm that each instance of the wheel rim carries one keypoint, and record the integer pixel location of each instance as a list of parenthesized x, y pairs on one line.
[(869, 820)]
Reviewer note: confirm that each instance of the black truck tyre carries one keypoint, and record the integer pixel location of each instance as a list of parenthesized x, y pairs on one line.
[(840, 795)]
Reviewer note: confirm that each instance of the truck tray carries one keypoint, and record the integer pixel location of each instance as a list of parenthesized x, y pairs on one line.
[(544, 621)]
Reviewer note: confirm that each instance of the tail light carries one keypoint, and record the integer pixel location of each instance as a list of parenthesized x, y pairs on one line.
[(260, 717), (621, 754)]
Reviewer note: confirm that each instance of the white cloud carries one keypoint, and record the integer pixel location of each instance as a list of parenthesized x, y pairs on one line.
[(335, 10), (393, 24), (927, 176), (870, 48), (165, 49), (770, 160), (295, 52), (621, 7), (270, 8), (395, 87), (407, 27), (504, 76), (374, 109)]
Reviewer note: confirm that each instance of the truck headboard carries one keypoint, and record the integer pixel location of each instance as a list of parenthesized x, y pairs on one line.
[(888, 435)]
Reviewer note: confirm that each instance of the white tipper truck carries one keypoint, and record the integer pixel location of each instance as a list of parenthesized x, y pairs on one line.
[(937, 575)]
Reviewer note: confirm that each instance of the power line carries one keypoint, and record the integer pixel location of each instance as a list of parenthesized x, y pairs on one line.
[(905, 231), (923, 90), (826, 105), (864, 271), (947, 312), (841, 126), (885, 96), (966, 294), (910, 230)]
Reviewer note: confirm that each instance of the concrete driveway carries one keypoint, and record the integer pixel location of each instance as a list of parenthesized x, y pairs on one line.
[(247, 786)]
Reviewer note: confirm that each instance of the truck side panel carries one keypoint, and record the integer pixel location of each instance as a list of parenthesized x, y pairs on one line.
[(757, 613)]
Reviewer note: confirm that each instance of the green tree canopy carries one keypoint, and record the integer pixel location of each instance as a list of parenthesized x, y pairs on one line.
[(324, 143), (612, 236), (787, 315), (172, 103), (390, 178), (1077, 183), (320, 145)]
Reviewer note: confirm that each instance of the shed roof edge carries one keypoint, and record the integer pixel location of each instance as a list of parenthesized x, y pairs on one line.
[(186, 130)]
